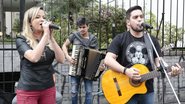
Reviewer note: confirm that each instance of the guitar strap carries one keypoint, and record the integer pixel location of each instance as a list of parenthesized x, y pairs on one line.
[(149, 50)]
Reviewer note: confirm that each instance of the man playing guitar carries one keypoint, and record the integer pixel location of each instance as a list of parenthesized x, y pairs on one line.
[(128, 49)]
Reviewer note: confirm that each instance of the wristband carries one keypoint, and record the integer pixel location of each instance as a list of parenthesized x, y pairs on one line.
[(125, 70)]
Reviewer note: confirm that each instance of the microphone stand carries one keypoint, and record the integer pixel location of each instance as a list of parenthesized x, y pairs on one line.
[(163, 64), (163, 75)]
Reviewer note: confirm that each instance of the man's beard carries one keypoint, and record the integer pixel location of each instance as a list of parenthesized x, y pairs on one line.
[(137, 29)]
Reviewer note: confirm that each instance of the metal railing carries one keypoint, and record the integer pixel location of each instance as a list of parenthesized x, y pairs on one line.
[(166, 16)]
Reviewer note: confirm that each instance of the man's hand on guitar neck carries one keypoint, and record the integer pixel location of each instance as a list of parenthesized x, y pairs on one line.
[(175, 70), (133, 73)]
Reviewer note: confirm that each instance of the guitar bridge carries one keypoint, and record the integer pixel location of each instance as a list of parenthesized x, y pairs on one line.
[(117, 86)]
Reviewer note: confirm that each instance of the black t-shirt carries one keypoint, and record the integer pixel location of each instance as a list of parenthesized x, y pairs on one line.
[(131, 51), (35, 76)]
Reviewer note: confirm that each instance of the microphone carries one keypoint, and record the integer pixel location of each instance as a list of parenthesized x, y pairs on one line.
[(147, 26), (53, 26)]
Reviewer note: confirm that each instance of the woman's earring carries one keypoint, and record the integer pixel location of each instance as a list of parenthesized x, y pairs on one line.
[(31, 27)]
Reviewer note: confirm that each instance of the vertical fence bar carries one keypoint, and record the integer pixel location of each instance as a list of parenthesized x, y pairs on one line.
[(22, 9), (1, 16), (176, 30), (144, 8), (157, 36), (183, 10), (170, 39), (150, 14), (12, 58), (163, 83), (100, 23)]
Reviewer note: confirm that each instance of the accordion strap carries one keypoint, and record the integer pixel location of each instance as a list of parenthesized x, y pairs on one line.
[(78, 37)]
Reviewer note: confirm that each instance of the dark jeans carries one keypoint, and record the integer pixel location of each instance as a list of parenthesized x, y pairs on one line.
[(75, 82), (147, 98)]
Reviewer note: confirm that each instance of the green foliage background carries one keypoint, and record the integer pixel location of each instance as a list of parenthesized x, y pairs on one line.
[(101, 22)]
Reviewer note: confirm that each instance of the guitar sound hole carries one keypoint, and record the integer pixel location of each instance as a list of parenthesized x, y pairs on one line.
[(135, 83)]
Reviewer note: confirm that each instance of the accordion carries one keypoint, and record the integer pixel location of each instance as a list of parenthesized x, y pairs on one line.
[(92, 63), (77, 54), (88, 61)]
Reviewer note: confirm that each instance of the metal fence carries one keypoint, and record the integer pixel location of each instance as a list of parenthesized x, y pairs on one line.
[(166, 16)]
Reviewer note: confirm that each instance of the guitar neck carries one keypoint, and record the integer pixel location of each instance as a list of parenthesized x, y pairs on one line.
[(150, 75), (157, 73)]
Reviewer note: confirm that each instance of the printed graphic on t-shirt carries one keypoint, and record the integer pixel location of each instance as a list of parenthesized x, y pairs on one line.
[(136, 53)]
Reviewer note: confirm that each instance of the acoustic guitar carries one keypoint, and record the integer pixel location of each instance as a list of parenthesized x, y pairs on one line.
[(118, 88)]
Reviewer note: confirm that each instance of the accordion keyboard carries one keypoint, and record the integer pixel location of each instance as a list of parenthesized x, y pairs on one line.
[(77, 54)]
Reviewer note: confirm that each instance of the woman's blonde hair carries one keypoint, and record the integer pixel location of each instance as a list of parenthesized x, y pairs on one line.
[(29, 15)]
